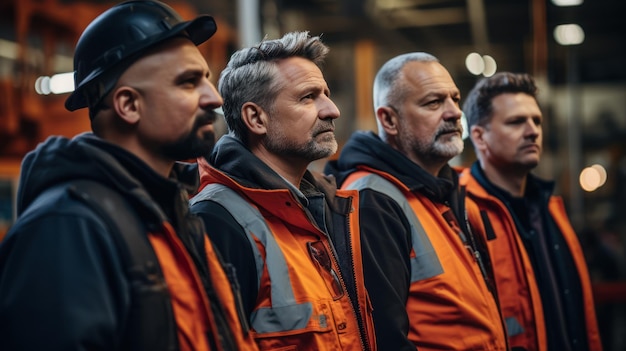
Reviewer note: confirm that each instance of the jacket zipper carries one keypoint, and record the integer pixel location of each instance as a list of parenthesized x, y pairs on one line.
[(357, 314), (360, 319), (490, 285)]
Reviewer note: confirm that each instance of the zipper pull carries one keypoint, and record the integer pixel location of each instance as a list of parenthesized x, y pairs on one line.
[(471, 252), (477, 255)]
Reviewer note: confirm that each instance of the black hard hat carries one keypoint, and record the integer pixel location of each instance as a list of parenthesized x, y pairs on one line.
[(122, 32)]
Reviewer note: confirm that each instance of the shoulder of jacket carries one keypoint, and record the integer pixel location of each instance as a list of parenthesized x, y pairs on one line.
[(60, 199)]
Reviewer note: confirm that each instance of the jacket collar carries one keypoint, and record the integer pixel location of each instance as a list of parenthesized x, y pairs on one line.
[(231, 157), (536, 188), (367, 149)]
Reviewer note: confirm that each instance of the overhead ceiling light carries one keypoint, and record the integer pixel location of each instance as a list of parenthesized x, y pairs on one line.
[(477, 65), (591, 178), (569, 34), (474, 63), (60, 83), (567, 2), (490, 66)]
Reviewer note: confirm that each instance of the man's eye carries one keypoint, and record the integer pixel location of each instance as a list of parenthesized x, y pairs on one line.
[(190, 80)]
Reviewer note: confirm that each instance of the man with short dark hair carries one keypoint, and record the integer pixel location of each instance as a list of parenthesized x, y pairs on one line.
[(541, 275)]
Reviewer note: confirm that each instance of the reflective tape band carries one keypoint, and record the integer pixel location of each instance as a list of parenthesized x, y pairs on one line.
[(426, 263), (284, 314)]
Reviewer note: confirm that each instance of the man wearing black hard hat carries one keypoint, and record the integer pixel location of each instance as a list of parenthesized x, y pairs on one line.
[(104, 254)]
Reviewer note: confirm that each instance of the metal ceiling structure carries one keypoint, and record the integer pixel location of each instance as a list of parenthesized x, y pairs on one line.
[(517, 33)]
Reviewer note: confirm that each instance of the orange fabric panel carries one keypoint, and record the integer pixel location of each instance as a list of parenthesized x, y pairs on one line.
[(227, 299), (191, 309)]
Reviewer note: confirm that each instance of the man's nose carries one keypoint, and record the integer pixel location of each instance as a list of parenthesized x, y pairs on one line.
[(452, 111), (209, 96), (532, 129), (328, 109)]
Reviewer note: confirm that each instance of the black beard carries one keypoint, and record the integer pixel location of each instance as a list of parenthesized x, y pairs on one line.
[(191, 146)]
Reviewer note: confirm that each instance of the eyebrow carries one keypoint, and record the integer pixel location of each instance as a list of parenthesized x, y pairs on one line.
[(314, 87), (192, 72), (440, 94)]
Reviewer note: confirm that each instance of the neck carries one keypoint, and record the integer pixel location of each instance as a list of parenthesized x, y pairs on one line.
[(433, 167), (291, 169), (511, 180), (162, 167), (158, 164)]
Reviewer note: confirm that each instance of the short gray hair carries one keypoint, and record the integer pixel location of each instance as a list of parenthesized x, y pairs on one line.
[(251, 72), (387, 91)]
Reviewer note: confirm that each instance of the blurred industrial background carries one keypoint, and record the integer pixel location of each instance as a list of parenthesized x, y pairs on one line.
[(581, 70)]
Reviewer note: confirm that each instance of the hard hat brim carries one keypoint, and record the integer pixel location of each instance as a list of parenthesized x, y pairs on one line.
[(197, 30)]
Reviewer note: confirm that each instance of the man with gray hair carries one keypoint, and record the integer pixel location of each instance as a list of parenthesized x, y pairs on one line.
[(425, 266), (292, 237)]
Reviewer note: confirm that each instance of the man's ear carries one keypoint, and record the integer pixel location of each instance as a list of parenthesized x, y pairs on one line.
[(387, 120), (254, 117), (477, 134), (125, 101)]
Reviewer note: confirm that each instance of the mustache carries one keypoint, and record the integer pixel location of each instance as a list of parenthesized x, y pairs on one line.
[(208, 117), (451, 128), (324, 126)]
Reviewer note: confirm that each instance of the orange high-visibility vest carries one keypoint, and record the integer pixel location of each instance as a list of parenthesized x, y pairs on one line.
[(297, 305), (518, 292), (449, 306)]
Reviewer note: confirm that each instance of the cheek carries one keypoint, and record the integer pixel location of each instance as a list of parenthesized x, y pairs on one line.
[(179, 111), (496, 143), (425, 125), (415, 126), (172, 123), (424, 132), (503, 144), (300, 124)]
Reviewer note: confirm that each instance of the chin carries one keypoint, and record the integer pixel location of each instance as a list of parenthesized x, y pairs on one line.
[(449, 150), (330, 146), (329, 152), (530, 165)]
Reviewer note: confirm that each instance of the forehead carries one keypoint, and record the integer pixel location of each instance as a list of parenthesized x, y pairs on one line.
[(514, 104), (172, 55), (298, 70), (428, 77)]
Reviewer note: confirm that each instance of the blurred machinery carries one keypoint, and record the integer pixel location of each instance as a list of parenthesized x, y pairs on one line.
[(37, 39), (39, 43)]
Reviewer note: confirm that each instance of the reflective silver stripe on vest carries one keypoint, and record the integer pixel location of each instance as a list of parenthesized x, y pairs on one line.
[(284, 314), (425, 264)]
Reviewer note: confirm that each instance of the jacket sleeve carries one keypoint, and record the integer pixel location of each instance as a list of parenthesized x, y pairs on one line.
[(229, 238), (386, 246), (62, 285)]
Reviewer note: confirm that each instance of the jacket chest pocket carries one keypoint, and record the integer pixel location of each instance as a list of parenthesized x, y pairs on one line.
[(304, 326)]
